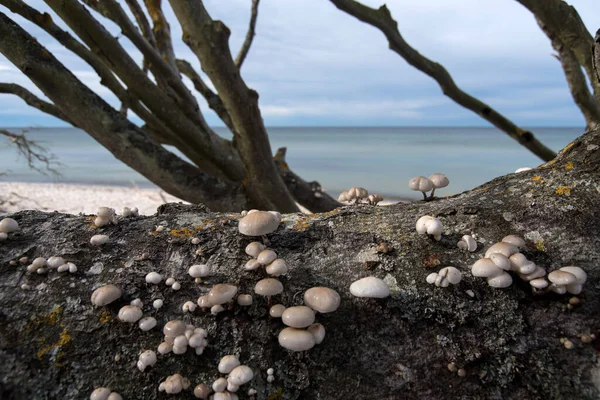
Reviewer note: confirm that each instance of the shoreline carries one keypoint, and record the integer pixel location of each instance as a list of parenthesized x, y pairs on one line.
[(75, 198)]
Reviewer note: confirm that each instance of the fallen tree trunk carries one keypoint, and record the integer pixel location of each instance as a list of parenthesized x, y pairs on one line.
[(54, 344)]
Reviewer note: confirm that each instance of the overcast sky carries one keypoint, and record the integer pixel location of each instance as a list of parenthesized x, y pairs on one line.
[(315, 65)]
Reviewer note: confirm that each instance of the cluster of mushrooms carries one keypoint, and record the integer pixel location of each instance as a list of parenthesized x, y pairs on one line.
[(424, 185), (7, 225), (358, 194)]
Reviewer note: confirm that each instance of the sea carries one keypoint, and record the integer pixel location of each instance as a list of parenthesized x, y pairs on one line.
[(381, 159)]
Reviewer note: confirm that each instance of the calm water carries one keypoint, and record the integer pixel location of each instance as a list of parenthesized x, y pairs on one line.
[(380, 159)]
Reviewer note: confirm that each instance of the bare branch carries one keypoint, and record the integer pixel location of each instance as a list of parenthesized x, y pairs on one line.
[(123, 139), (382, 20), (142, 22), (239, 60), (578, 85), (209, 40), (33, 152), (308, 194), (596, 55), (564, 22), (33, 101), (162, 31), (213, 99)]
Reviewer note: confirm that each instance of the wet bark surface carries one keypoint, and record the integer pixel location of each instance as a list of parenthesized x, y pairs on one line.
[(55, 344)]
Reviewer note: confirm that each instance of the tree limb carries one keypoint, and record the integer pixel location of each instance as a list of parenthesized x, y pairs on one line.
[(578, 85), (162, 31), (213, 99), (208, 39), (33, 152), (382, 20), (239, 60), (123, 139), (142, 22), (596, 55), (308, 194), (33, 101), (564, 22)]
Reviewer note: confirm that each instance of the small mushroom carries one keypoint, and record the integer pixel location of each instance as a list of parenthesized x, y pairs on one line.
[(445, 277), (153, 278), (8, 225), (421, 184), (3, 236), (501, 281), (298, 316), (318, 332), (296, 339), (277, 310), (501, 261), (105, 295), (258, 223), (240, 375), (199, 271), (439, 181), (253, 249), (322, 299), (514, 240), (539, 283), (268, 287), (130, 314), (277, 268), (146, 359), (506, 249), (98, 240), (370, 287), (467, 243), (374, 199), (201, 391), (219, 385), (244, 300), (431, 226), (252, 265), (221, 293), (228, 363), (266, 257), (581, 279), (147, 323), (174, 328), (485, 268)]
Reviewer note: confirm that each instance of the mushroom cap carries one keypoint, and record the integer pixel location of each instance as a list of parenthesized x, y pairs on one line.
[(506, 249), (100, 393), (253, 249), (370, 287), (575, 288), (451, 274), (539, 283), (266, 257), (422, 224), (537, 273), (252, 265), (298, 316), (431, 278), (527, 268), (421, 184), (322, 299), (55, 262), (221, 293), (296, 339), (204, 302), (578, 272), (485, 268), (153, 277), (559, 277), (439, 180), (501, 281), (130, 314), (3, 236), (147, 323), (174, 328), (268, 287), (199, 271), (501, 261), (344, 196), (240, 375), (39, 262), (470, 242), (219, 385), (277, 310), (201, 391), (105, 295), (214, 310), (277, 267), (98, 240), (517, 260), (244, 300), (258, 223), (8, 225), (560, 289), (318, 332), (228, 363), (514, 239), (523, 169), (435, 228)]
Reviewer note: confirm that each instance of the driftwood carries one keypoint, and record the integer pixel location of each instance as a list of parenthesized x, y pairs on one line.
[(54, 344)]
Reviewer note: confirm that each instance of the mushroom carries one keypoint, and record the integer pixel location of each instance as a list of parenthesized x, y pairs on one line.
[(204, 302), (147, 323), (581, 278), (523, 169), (240, 375), (266, 257), (153, 277), (501, 261), (298, 316), (485, 268), (501, 281), (100, 393), (174, 328), (445, 277), (221, 293), (199, 271), (467, 243), (98, 240), (259, 223), (322, 299), (277, 268), (244, 300), (539, 283), (8, 225), (506, 249), (158, 303), (105, 295), (189, 306), (214, 310), (374, 199), (439, 181), (55, 262), (370, 287), (277, 310), (146, 359), (130, 314), (431, 226), (228, 363), (421, 184), (252, 265), (268, 287), (514, 240), (201, 391), (253, 249), (3, 236), (296, 339), (220, 385), (318, 332), (174, 384)]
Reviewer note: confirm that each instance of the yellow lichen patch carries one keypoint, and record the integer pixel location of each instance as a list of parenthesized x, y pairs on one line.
[(563, 191), (537, 178), (540, 245), (183, 232), (569, 165), (63, 339), (104, 317), (276, 395)]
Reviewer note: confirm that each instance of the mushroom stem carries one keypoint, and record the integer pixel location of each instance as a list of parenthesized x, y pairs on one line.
[(266, 241), (432, 193), (424, 196)]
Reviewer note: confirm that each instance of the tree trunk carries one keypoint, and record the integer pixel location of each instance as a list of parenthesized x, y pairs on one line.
[(56, 345)]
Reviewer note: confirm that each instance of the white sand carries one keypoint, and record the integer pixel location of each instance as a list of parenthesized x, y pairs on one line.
[(73, 199)]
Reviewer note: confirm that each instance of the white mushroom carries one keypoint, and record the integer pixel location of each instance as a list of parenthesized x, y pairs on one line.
[(467, 243), (147, 323), (98, 240), (485, 268), (174, 328), (266, 257), (8, 225), (153, 277), (189, 306), (240, 375), (322, 299), (158, 303), (221, 293), (201, 391), (296, 339), (298, 316), (515, 240), (421, 184), (268, 287), (431, 226), (501, 281), (199, 271), (219, 385), (522, 169), (445, 277), (252, 265), (100, 393), (277, 268), (506, 249), (501, 261), (244, 300), (55, 262), (370, 287), (228, 363), (146, 359), (258, 223), (214, 310), (277, 310), (439, 181), (130, 314), (539, 283), (581, 279), (318, 332), (105, 295), (374, 199), (253, 249), (3, 236)]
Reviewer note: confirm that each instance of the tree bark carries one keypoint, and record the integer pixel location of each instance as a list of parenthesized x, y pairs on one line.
[(55, 344), (208, 39), (382, 20)]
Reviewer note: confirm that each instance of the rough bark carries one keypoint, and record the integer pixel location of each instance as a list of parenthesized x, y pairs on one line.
[(564, 22), (123, 139), (239, 59), (162, 31), (596, 55), (382, 20), (209, 40), (54, 344)]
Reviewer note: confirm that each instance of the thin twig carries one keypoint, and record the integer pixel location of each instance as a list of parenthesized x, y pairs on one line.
[(33, 153), (239, 60)]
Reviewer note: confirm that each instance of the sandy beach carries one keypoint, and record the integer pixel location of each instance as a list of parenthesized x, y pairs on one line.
[(74, 199)]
